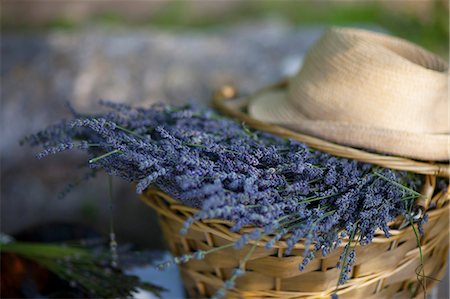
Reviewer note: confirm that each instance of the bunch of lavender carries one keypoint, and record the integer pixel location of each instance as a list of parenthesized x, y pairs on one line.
[(86, 270), (278, 186)]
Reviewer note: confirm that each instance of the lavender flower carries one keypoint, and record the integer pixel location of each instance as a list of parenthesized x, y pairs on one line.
[(232, 172)]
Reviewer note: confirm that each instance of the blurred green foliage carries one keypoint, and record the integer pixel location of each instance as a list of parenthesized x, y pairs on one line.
[(60, 23), (425, 22), (428, 28)]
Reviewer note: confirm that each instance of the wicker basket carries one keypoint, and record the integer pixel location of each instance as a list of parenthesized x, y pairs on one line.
[(385, 268)]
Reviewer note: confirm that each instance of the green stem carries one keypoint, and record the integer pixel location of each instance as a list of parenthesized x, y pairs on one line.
[(129, 131), (279, 220), (397, 184), (315, 222), (219, 248), (421, 258), (284, 217), (250, 252), (244, 261), (292, 221), (105, 155), (315, 180), (230, 151), (253, 206), (311, 199), (112, 233), (408, 197), (195, 145)]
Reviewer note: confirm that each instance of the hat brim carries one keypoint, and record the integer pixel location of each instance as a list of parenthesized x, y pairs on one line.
[(272, 106)]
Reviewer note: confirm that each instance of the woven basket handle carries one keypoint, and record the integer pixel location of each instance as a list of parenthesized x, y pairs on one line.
[(225, 101)]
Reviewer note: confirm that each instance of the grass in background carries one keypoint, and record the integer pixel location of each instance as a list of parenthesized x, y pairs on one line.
[(428, 27), (431, 31)]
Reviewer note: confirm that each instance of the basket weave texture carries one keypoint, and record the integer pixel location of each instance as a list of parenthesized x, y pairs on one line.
[(386, 268)]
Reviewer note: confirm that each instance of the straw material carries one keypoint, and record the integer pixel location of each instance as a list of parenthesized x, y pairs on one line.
[(385, 268), (367, 90)]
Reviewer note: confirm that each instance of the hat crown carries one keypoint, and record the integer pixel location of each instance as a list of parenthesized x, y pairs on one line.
[(360, 77)]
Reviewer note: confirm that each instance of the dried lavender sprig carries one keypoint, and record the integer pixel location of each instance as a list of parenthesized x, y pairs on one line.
[(345, 266), (198, 255), (248, 177), (230, 283)]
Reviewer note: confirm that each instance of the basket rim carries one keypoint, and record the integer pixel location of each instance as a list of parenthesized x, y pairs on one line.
[(230, 105)]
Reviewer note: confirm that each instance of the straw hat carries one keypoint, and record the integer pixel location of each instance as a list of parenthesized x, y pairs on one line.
[(366, 90)]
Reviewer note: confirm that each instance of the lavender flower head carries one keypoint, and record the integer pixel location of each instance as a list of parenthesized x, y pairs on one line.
[(228, 171)]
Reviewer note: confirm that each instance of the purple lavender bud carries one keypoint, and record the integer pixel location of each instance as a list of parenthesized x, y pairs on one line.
[(186, 225), (238, 272), (199, 255), (185, 258), (241, 242), (255, 234), (250, 178), (229, 284), (270, 244), (219, 294)]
